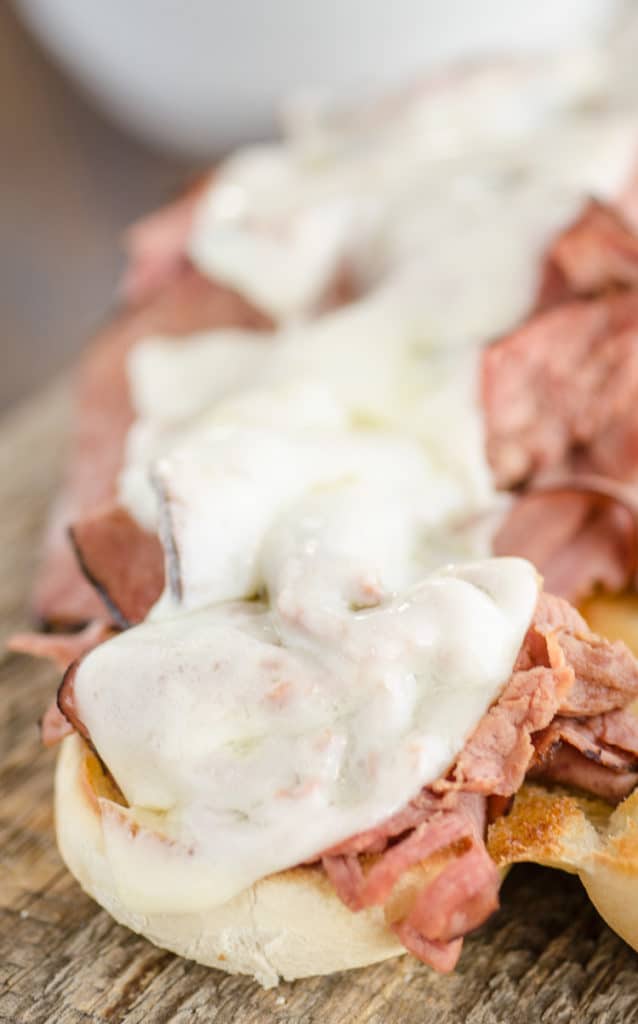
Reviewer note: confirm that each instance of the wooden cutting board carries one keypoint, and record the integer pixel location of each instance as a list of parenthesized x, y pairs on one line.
[(546, 956)]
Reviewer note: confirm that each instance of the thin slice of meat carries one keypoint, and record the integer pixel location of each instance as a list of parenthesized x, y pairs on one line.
[(441, 828), (495, 759), (579, 675), (558, 383), (462, 895), (598, 754), (54, 726), (605, 675), (157, 250), (583, 735), (347, 878), (459, 899), (157, 244), (122, 560), (598, 251), (375, 839), (551, 613), (442, 956), (580, 532), (66, 702), (561, 391), (568, 767), (103, 414), (61, 648), (614, 451), (619, 729)]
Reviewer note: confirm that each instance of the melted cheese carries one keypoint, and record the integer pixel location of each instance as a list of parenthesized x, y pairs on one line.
[(448, 195), (311, 666), (304, 389), (251, 738)]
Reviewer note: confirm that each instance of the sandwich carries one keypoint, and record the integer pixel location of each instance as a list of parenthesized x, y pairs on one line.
[(360, 439)]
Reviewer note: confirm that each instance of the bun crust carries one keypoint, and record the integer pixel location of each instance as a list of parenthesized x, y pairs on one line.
[(583, 836), (289, 925)]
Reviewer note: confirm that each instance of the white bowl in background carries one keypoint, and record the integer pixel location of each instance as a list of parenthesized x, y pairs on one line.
[(201, 75)]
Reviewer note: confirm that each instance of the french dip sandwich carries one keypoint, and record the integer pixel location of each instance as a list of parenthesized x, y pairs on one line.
[(361, 439)]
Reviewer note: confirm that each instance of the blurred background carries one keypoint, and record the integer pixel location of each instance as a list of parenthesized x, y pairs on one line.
[(70, 181), (107, 108)]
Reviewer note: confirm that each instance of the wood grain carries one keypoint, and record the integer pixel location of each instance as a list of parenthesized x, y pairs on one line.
[(546, 956)]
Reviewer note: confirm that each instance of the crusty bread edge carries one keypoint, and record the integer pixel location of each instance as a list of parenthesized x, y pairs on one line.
[(584, 836), (289, 925)]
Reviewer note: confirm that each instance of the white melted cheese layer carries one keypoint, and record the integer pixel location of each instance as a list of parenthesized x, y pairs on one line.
[(310, 667), (251, 738), (236, 427), (449, 194)]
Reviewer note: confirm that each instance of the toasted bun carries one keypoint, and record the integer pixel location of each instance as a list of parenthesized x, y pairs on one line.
[(585, 837), (576, 833), (292, 925)]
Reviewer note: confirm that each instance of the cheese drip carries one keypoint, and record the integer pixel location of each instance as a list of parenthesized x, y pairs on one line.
[(247, 739)]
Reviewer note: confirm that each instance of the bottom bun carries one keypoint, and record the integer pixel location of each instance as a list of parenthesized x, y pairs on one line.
[(289, 925), (584, 836)]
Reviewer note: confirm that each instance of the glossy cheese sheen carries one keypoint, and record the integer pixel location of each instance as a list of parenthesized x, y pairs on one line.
[(446, 195), (310, 666), (236, 426), (251, 738)]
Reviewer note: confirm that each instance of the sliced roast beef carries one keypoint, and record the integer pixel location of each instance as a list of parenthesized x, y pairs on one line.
[(581, 533), (558, 383), (568, 767), (552, 613), (54, 726), (597, 252), (441, 825), (560, 395), (61, 648), (586, 736), (442, 956), (66, 701), (122, 560), (561, 390), (605, 676), (156, 245), (619, 729), (496, 757), (459, 899)]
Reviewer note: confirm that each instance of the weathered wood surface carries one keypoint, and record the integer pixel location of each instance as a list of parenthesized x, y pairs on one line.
[(546, 956)]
